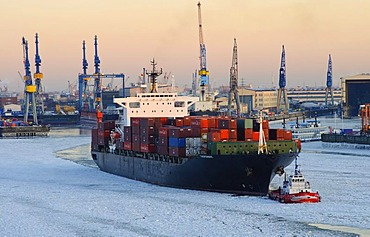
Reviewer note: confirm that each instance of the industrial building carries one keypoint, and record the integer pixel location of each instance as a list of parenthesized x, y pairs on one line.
[(355, 92)]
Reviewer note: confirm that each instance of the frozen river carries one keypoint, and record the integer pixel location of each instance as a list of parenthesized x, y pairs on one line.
[(43, 193)]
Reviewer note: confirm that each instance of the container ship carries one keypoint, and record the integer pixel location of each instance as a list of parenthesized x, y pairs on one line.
[(156, 141)]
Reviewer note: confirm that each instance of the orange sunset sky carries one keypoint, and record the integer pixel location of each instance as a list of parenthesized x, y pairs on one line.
[(130, 33)]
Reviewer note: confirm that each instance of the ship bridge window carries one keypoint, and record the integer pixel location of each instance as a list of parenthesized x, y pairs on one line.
[(179, 104), (134, 105)]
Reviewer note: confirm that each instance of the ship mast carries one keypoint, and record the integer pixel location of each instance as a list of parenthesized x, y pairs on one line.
[(152, 77), (262, 146)]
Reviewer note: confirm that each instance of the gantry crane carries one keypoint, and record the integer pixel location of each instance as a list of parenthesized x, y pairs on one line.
[(329, 83), (84, 78), (234, 92), (282, 83), (29, 88), (203, 73), (37, 77)]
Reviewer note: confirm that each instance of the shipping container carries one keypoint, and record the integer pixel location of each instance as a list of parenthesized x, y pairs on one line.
[(147, 130), (273, 134), (224, 134), (193, 142), (280, 134), (176, 142), (195, 151), (162, 150), (135, 122), (163, 131), (119, 145), (232, 134), (176, 132), (103, 141), (127, 146), (214, 136), (176, 151), (187, 121), (266, 133), (248, 133), (104, 133), (255, 136), (288, 135), (162, 141), (149, 148), (147, 139), (106, 125)]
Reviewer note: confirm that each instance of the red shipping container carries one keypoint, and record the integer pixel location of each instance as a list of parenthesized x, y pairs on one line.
[(106, 125), (280, 134), (135, 138), (233, 134), (163, 131), (233, 124), (224, 134), (147, 148), (136, 146), (162, 150), (104, 133), (248, 133), (127, 129), (187, 121), (135, 130), (147, 139), (163, 141), (175, 151), (187, 132), (135, 122), (214, 136), (147, 130), (163, 120), (288, 135), (176, 132), (256, 136), (127, 146), (179, 122), (195, 131), (265, 124)]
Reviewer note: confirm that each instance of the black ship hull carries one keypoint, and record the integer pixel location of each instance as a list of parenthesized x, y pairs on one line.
[(238, 174)]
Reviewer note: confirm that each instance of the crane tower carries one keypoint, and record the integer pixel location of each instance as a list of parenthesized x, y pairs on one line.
[(282, 94), (29, 88), (329, 83), (38, 76), (203, 73), (97, 83), (234, 93)]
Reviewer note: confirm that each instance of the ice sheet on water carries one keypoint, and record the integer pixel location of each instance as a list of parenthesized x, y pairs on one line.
[(42, 195)]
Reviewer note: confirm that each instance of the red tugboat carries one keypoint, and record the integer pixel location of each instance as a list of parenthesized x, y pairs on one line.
[(295, 189)]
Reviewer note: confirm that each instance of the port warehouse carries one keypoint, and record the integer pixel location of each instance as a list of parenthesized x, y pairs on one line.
[(354, 91)]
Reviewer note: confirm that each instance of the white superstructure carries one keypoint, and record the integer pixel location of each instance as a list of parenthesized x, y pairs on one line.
[(154, 105)]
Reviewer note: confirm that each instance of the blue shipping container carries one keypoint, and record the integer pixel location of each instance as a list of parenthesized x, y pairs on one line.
[(177, 142)]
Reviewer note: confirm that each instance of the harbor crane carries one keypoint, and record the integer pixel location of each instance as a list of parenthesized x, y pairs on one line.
[(84, 78), (234, 92), (329, 83), (282, 93), (29, 88), (203, 72), (38, 76)]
